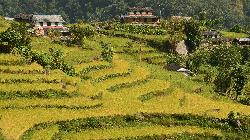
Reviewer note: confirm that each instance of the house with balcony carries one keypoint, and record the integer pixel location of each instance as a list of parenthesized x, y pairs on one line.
[(45, 21), (48, 21), (140, 15), (42, 23)]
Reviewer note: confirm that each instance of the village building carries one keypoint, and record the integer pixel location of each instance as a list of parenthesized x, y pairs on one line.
[(48, 21), (42, 23), (243, 41), (140, 15)]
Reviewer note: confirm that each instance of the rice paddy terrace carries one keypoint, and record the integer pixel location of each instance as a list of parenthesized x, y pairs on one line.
[(131, 98)]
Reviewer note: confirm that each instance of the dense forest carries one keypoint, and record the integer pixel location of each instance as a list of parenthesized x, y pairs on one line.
[(230, 11)]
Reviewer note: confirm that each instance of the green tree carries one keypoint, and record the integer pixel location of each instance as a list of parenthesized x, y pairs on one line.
[(237, 28), (225, 56), (107, 52), (193, 33), (16, 36), (79, 32)]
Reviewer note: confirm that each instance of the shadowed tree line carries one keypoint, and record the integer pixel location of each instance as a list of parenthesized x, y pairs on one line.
[(232, 11)]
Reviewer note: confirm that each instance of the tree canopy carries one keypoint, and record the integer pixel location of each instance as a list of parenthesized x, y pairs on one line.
[(232, 11)]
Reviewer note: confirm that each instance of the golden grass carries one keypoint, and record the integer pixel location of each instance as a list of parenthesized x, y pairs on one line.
[(194, 104), (9, 58), (138, 73), (45, 134), (82, 66), (119, 66), (76, 101), (24, 68), (114, 41), (138, 131), (73, 55), (55, 75), (4, 24), (25, 87), (14, 123)]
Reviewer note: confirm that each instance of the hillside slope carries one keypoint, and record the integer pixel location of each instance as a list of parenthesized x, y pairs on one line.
[(132, 97)]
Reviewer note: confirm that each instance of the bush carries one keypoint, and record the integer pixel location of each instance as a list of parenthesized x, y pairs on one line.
[(79, 32), (53, 60), (139, 29), (175, 59), (107, 52), (193, 34), (226, 56), (237, 28), (16, 36)]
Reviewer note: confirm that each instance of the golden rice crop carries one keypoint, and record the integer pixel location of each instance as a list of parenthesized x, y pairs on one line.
[(119, 66), (25, 87), (23, 69), (82, 66), (117, 133)]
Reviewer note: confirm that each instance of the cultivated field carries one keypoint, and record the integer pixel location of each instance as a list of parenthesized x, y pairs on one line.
[(133, 97)]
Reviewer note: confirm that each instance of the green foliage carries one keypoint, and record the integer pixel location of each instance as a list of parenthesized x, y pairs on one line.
[(245, 53), (15, 36), (139, 29), (198, 58), (226, 56), (173, 58), (233, 12), (227, 67), (210, 73), (79, 32), (193, 34), (237, 29), (54, 34), (175, 29), (232, 82), (107, 52), (53, 60)]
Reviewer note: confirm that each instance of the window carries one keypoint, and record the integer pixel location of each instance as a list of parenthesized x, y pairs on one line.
[(48, 23), (41, 23), (56, 23)]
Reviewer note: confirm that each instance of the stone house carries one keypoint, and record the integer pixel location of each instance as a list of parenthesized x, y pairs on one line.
[(140, 15), (43, 23), (211, 34)]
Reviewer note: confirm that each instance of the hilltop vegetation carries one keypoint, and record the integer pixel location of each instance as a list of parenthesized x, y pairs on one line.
[(112, 84), (231, 11)]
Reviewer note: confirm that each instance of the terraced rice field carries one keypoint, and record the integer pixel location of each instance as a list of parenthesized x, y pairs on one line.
[(125, 99)]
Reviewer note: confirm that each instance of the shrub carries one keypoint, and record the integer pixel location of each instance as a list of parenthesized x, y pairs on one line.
[(107, 52), (139, 29), (225, 56), (79, 32), (237, 28), (16, 36), (175, 59), (193, 34)]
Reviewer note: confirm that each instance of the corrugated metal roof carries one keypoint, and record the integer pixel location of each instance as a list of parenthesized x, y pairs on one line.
[(244, 39), (47, 18)]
